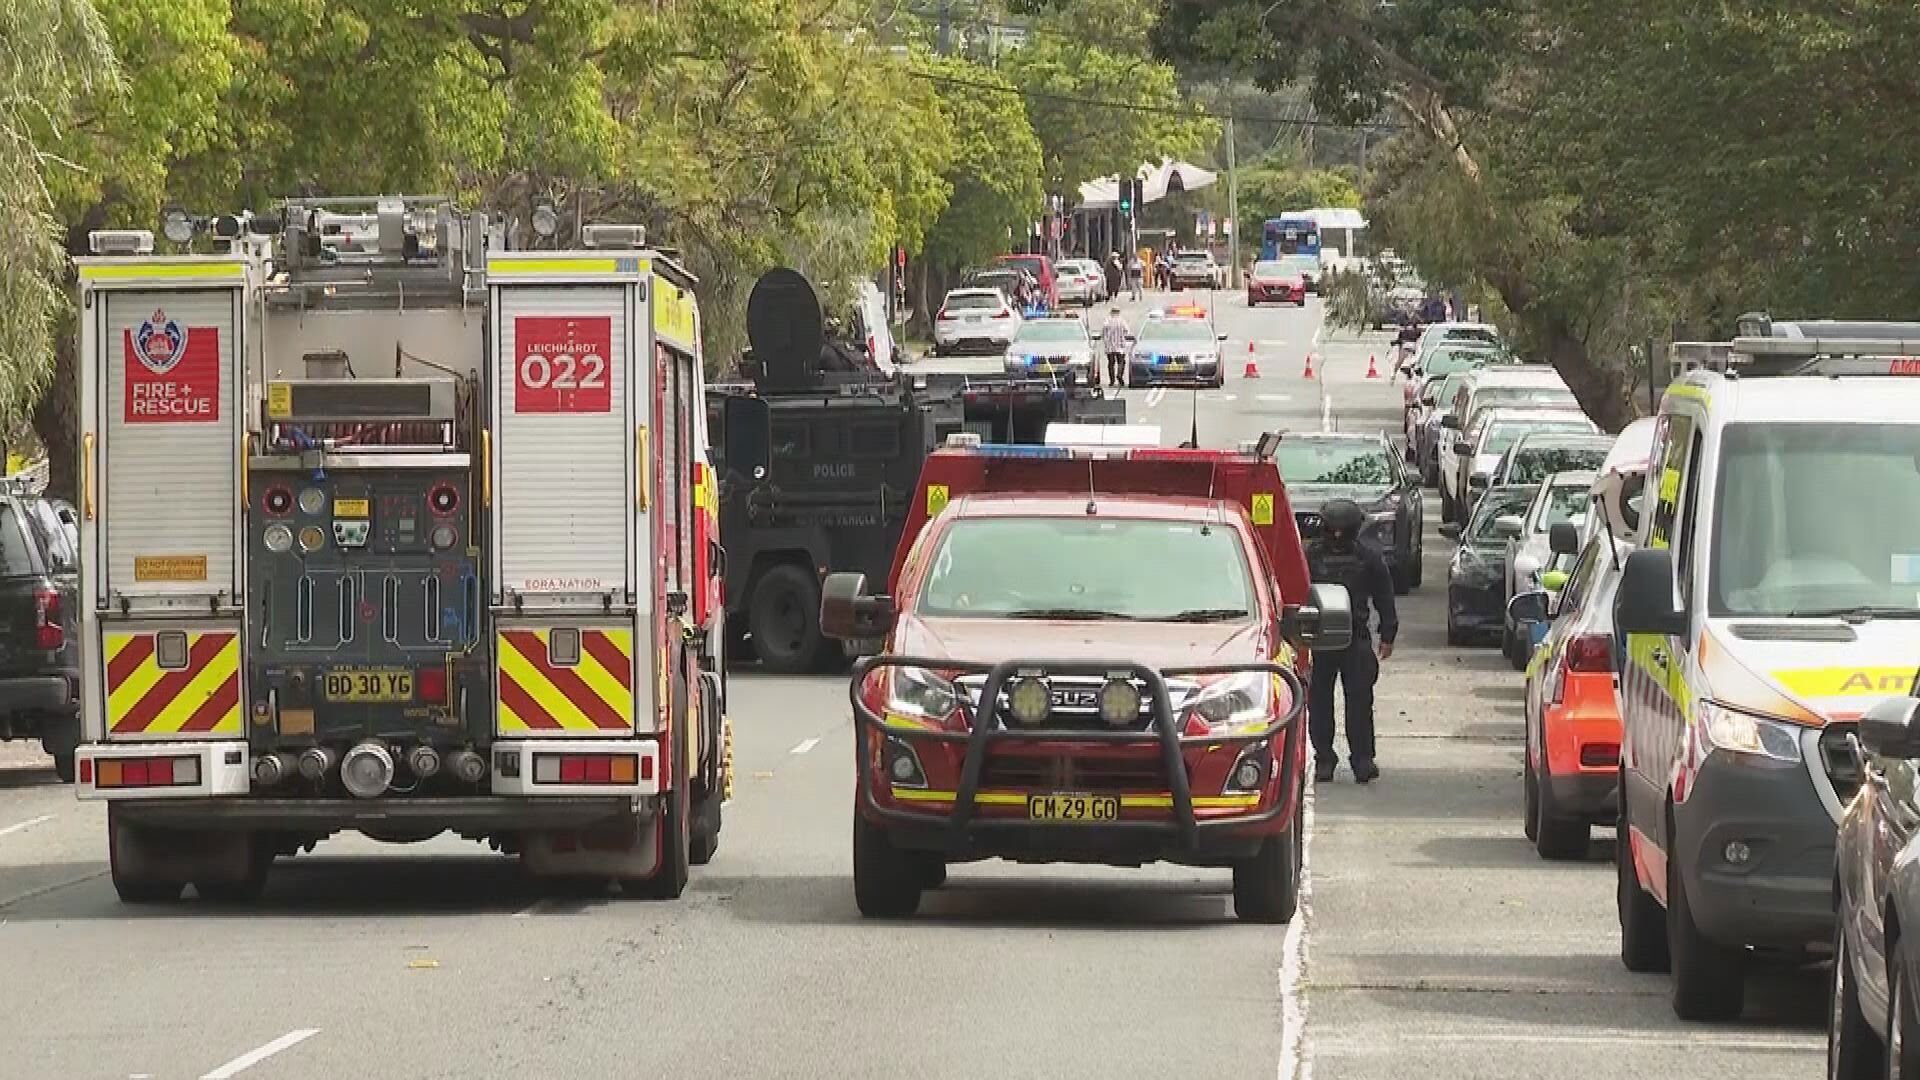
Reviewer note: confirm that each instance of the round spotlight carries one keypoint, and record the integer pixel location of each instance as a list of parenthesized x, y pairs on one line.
[(1119, 703), (1028, 701), (902, 768), (546, 221), (444, 536), (312, 538), (1738, 853), (367, 770), (443, 500), (178, 226), (312, 501), (1247, 775), (278, 501), (278, 539)]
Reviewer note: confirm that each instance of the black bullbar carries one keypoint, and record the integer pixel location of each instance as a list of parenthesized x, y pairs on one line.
[(1164, 729)]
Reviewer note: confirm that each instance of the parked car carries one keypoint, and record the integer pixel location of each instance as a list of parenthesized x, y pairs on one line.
[(1433, 439), (1319, 467), (1478, 450), (1055, 346), (1196, 270), (1476, 602), (974, 320), (1040, 268), (1270, 280), (1446, 360), (1082, 281), (39, 626), (1570, 781), (1018, 286), (1540, 454), (1561, 498), (1437, 332)]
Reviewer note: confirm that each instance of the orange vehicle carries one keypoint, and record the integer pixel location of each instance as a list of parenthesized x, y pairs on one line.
[(1073, 709)]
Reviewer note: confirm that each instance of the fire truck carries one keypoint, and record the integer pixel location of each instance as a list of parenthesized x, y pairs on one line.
[(388, 529)]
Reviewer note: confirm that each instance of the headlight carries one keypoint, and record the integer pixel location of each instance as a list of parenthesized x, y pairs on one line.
[(1235, 701), (920, 693), (1744, 733)]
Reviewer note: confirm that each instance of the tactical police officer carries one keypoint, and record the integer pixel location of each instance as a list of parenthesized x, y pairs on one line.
[(1339, 557)]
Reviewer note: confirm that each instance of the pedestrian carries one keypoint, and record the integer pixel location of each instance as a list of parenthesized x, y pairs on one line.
[(1114, 274), (1113, 339), (1135, 271), (1338, 556)]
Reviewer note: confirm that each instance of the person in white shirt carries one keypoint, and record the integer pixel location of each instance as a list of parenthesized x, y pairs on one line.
[(1113, 338)]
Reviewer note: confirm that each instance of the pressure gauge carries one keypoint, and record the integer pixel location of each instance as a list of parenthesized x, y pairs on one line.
[(312, 501), (278, 539)]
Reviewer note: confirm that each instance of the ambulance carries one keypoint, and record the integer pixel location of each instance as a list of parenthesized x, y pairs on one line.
[(387, 529), (1774, 596)]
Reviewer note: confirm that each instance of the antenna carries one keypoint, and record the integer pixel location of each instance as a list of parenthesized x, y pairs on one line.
[(1193, 440), (1092, 507)]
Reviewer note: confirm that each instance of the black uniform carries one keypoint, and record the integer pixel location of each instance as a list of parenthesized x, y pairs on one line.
[(1363, 570)]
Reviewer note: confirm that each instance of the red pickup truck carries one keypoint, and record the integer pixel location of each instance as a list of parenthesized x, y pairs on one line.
[(1139, 620)]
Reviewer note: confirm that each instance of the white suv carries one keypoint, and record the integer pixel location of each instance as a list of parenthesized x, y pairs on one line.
[(974, 320)]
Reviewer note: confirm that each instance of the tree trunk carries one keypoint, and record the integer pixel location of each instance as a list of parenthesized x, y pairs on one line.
[(56, 418), (1601, 388)]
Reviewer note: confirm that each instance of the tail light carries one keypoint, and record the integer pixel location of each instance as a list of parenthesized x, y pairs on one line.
[(48, 632), (433, 685), (943, 316), (1590, 653)]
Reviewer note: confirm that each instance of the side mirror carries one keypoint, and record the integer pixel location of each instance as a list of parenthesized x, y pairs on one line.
[(1222, 337), (1462, 448), (847, 611), (1886, 728), (748, 422), (1646, 604), (1564, 538), (1324, 623), (1450, 531), (1528, 607), (1477, 481), (1508, 525), (1450, 422)]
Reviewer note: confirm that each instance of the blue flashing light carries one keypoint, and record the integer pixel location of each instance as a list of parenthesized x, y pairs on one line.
[(1021, 450)]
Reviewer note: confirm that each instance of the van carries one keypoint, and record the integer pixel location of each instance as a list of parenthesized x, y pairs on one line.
[(1774, 596)]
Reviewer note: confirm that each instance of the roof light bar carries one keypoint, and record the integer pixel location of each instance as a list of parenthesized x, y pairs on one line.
[(1013, 450)]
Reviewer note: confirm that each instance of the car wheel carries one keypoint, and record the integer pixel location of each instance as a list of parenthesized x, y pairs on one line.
[(1455, 635), (1643, 932), (1402, 577), (886, 881), (1431, 474), (1709, 979), (784, 615), (1266, 887), (1903, 1019), (1446, 507), (1522, 651), (1854, 1050), (1555, 837), (1529, 796), (1419, 568)]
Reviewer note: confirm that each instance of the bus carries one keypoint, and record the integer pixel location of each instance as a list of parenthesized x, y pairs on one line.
[(1291, 234)]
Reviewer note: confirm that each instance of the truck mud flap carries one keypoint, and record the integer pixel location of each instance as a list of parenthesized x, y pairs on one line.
[(986, 730)]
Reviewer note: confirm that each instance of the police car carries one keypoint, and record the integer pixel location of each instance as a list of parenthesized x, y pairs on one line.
[(1176, 350), (1056, 346)]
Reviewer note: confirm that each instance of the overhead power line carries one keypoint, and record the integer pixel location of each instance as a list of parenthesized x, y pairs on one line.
[(1140, 107)]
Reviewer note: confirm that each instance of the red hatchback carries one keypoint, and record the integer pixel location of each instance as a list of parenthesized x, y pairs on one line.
[(1072, 709), (1271, 282), (1041, 268)]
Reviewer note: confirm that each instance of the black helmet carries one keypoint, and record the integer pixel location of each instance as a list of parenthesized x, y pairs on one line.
[(1343, 516)]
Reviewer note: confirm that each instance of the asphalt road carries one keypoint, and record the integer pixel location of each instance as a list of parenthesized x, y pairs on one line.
[(1433, 942)]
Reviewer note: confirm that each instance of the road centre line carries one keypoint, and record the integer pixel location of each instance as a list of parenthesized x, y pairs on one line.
[(1296, 1056), (1155, 396), (259, 1054), (804, 746), (23, 826)]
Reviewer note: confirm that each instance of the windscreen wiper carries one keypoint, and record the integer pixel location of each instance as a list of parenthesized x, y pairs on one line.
[(1860, 613), (1212, 614), (1069, 614)]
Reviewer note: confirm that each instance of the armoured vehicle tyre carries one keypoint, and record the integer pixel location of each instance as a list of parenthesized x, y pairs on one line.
[(124, 862), (785, 620), (1555, 837), (63, 767), (1266, 887), (1709, 979), (1854, 1050), (886, 881), (1643, 931)]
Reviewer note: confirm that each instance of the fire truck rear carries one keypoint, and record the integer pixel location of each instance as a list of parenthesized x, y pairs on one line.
[(386, 529)]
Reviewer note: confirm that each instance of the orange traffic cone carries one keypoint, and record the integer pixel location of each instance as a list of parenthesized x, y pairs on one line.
[(1373, 372), (1308, 374), (1253, 368)]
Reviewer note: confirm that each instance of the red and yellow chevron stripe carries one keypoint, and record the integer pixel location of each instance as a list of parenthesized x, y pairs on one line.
[(202, 698), (593, 697)]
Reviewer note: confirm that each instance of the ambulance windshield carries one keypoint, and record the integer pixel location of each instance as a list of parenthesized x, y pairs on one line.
[(1818, 519), (1088, 568)]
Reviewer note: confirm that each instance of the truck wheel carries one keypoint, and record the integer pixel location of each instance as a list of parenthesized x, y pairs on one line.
[(785, 621), (1643, 932), (245, 890), (706, 806), (1854, 1051), (1709, 979), (886, 881), (675, 841), (1266, 887), (1556, 837), (63, 767), (129, 859)]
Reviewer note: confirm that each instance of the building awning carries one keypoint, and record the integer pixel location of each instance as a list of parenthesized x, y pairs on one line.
[(1157, 182)]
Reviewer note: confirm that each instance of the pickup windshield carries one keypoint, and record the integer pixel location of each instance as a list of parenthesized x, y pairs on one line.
[(1087, 568), (1787, 536), (1330, 461), (16, 556)]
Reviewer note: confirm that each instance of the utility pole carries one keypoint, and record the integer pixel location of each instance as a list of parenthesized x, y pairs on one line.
[(1310, 128), (1233, 210), (1363, 158), (944, 43)]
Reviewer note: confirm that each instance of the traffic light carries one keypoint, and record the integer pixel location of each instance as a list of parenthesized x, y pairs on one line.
[(1139, 192), (1126, 196)]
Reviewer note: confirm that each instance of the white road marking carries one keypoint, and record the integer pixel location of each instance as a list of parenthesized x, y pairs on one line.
[(1326, 410), (1296, 1056), (1274, 397), (804, 746), (25, 825), (1348, 1047), (1155, 396), (254, 1057)]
